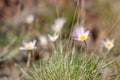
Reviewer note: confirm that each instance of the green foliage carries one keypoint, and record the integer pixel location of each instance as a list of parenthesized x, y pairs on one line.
[(64, 65)]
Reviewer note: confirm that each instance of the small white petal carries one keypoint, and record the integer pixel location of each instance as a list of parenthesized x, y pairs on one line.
[(34, 42), (22, 48), (31, 44), (25, 43), (76, 39), (56, 35), (82, 30), (112, 41), (87, 33), (50, 37), (107, 40), (104, 42)]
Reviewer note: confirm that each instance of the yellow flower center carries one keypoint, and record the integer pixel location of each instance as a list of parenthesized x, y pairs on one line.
[(82, 37), (58, 29), (108, 45), (29, 21), (29, 47)]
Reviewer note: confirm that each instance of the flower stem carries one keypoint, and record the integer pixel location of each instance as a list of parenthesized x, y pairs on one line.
[(57, 10), (29, 58), (106, 54), (85, 49), (55, 45)]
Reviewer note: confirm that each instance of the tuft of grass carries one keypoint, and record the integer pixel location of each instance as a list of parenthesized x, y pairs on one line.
[(66, 65)]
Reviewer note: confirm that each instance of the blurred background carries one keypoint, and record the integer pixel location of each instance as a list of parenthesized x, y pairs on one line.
[(101, 17)]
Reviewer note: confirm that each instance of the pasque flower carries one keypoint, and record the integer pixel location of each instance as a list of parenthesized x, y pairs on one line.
[(29, 19), (43, 40), (28, 45), (109, 44), (58, 25), (54, 37), (80, 34)]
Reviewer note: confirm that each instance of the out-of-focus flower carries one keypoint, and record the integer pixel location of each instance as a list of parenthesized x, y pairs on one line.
[(58, 25), (43, 41), (28, 46), (80, 34), (109, 44), (29, 19), (54, 37)]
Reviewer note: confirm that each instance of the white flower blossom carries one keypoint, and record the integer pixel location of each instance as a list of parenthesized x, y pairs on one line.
[(58, 25), (54, 37), (80, 34), (43, 40), (109, 44), (29, 19), (28, 46)]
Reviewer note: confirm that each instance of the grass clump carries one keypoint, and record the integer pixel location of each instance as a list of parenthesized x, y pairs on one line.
[(66, 65)]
